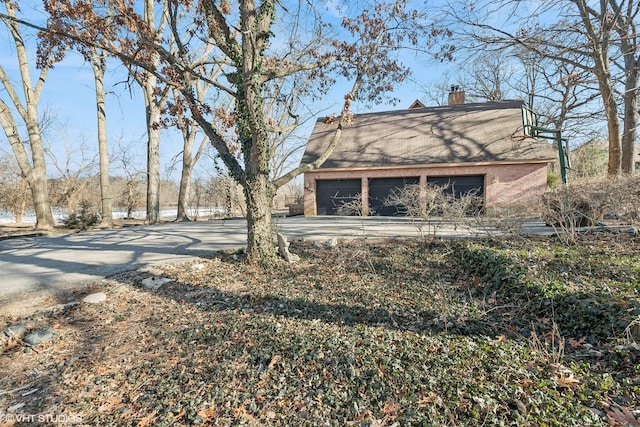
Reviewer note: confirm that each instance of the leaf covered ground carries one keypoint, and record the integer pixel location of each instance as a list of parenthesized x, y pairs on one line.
[(368, 333)]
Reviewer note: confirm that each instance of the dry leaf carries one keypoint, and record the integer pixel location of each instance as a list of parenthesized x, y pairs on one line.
[(179, 415), (273, 361), (500, 339), (427, 400), (110, 405), (622, 416), (577, 343), (242, 412), (330, 119), (391, 409), (525, 382), (207, 413), (147, 420), (568, 381)]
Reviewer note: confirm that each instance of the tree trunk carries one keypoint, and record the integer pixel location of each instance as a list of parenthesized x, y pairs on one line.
[(188, 163), (613, 124), (19, 215), (34, 171), (98, 61), (631, 114), (614, 167), (630, 134), (153, 116), (153, 108), (37, 179), (153, 164), (259, 194), (185, 184), (36, 174)]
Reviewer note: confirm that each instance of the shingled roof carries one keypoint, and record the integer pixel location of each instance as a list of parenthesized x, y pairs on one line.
[(466, 133)]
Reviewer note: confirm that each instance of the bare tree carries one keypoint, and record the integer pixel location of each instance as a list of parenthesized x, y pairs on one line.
[(561, 94), (74, 170), (29, 148), (282, 100), (253, 57), (189, 160), (99, 63), (190, 132), (130, 187), (52, 46), (155, 99), (14, 190), (94, 38), (488, 75), (599, 38)]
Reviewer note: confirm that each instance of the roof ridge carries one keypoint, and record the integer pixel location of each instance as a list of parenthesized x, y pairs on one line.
[(506, 103)]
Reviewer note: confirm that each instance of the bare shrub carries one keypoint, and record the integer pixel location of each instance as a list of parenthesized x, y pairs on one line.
[(502, 222), (590, 159), (14, 189), (415, 204), (551, 345), (622, 201), (429, 206), (352, 206), (632, 332), (593, 202)]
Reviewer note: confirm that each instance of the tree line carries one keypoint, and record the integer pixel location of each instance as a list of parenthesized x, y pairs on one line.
[(242, 75), (78, 193)]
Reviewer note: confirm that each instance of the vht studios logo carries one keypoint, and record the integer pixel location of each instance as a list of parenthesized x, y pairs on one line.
[(40, 418)]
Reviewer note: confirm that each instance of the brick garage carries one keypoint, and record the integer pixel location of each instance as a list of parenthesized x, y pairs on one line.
[(479, 145)]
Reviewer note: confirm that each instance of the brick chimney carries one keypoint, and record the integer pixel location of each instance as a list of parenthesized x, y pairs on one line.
[(456, 96)]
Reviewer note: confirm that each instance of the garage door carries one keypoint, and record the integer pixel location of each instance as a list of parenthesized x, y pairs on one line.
[(461, 185), (381, 188), (331, 194)]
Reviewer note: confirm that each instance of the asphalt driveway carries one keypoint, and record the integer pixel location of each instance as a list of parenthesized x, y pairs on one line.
[(51, 264)]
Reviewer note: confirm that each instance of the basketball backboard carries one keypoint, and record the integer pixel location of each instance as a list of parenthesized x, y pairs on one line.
[(529, 122)]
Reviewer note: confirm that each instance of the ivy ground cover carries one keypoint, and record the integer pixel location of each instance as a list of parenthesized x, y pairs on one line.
[(368, 333)]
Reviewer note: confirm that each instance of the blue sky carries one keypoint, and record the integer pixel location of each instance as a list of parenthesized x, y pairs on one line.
[(69, 97)]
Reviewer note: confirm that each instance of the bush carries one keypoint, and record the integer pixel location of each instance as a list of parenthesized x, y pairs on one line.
[(553, 180), (593, 202), (86, 218), (429, 205)]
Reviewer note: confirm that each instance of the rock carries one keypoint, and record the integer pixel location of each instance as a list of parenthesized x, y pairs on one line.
[(283, 249), (15, 408), (152, 271), (95, 298), (197, 267), (17, 330), (38, 337), (154, 283), (58, 308), (332, 242)]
